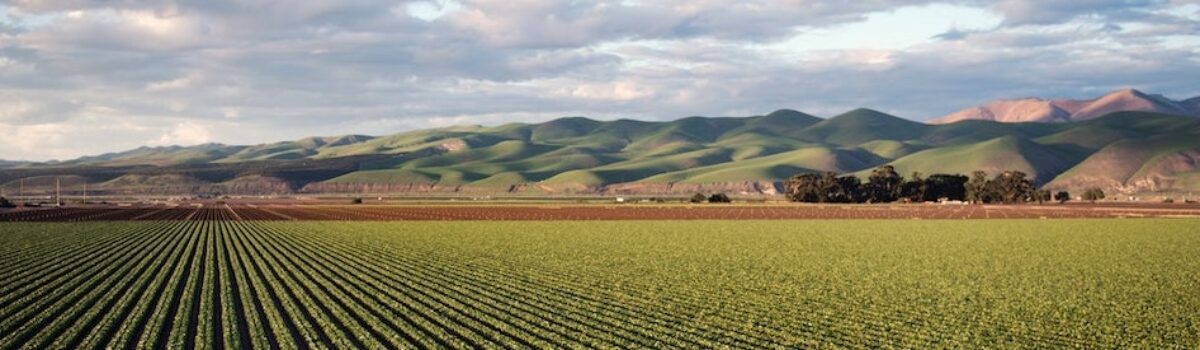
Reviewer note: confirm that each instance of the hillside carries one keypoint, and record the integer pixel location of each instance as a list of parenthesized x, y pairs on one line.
[(1126, 151), (1042, 110)]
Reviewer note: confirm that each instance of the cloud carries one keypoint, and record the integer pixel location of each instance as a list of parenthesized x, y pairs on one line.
[(186, 133), (81, 76), (1036, 12)]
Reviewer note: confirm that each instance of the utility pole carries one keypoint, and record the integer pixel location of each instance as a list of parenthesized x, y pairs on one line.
[(85, 191), (21, 193), (57, 192)]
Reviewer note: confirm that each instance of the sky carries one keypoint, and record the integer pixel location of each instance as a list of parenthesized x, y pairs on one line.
[(80, 77)]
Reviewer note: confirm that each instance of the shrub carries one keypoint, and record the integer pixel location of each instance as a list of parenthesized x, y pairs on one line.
[(1093, 194), (719, 198)]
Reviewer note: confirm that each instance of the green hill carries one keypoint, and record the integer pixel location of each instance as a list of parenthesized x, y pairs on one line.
[(993, 156), (1127, 151)]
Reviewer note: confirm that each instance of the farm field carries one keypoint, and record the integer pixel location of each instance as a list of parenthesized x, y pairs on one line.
[(454, 212), (220, 279)]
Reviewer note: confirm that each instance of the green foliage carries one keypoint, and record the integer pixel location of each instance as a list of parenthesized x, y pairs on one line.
[(945, 186), (884, 185), (601, 284), (1093, 194), (1062, 196), (824, 188), (1010, 187), (719, 198), (698, 198), (976, 189), (1042, 196), (1121, 149)]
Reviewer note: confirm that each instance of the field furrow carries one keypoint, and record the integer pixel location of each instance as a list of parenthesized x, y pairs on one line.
[(226, 279)]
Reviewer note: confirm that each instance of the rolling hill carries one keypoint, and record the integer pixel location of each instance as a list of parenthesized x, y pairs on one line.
[(1125, 151), (1042, 110)]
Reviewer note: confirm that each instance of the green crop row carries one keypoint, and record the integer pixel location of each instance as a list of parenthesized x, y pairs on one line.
[(627, 284)]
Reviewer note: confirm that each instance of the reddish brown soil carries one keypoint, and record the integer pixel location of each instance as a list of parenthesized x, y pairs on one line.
[(597, 212)]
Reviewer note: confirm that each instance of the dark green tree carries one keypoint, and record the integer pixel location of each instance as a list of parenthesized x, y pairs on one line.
[(943, 186), (1093, 194), (976, 189), (915, 189), (719, 198), (845, 189), (883, 185), (826, 187), (4, 203), (1011, 187), (697, 198), (804, 188), (1042, 196), (1062, 196)]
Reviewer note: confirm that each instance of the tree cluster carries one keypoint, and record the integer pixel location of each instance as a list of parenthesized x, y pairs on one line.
[(884, 185), (715, 198), (1093, 194), (4, 203)]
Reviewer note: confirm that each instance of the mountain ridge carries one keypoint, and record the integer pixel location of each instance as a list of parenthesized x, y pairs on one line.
[(1035, 109), (582, 155)]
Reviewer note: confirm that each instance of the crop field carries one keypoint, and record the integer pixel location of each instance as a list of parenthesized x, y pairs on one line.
[(222, 282), (593, 212)]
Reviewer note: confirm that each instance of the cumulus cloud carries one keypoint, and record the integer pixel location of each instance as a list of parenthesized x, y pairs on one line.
[(186, 133), (87, 76)]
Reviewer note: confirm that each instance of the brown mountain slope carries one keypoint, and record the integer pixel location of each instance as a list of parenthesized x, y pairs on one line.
[(1055, 111), (1137, 165)]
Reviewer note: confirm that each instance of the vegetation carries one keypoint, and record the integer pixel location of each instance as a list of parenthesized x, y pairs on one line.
[(1042, 196), (4, 203), (658, 284), (1120, 149), (719, 198), (885, 186), (1093, 194), (1062, 196)]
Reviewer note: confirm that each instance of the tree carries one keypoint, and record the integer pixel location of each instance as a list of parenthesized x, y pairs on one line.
[(824, 188), (948, 187), (4, 203), (1041, 196), (839, 189), (914, 190), (356, 200), (1062, 196), (883, 185), (1011, 187), (719, 198), (697, 198), (850, 189), (1093, 194), (976, 188), (804, 188)]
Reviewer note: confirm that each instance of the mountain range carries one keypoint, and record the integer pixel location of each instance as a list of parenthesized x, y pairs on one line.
[(1042, 110), (1122, 152)]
